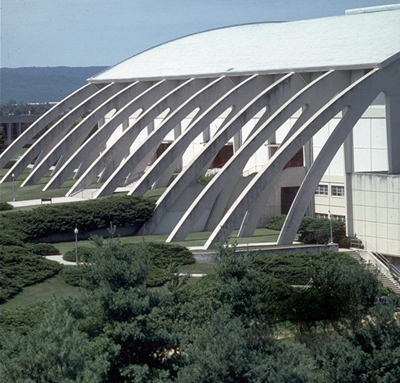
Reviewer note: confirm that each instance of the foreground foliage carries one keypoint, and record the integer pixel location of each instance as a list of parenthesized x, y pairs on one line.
[(221, 329), (163, 259)]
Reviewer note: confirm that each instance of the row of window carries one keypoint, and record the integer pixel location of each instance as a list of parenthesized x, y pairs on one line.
[(333, 216), (337, 191)]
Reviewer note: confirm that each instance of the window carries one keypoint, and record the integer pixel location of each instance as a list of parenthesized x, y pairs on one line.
[(339, 217), (333, 216), (296, 161), (322, 189), (337, 191)]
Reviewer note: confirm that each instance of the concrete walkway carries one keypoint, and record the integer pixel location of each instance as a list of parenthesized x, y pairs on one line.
[(60, 259), (38, 202)]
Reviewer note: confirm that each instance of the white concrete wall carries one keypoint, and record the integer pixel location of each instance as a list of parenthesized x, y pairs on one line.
[(376, 201)]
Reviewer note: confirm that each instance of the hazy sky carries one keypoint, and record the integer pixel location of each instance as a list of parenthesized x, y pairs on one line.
[(105, 32)]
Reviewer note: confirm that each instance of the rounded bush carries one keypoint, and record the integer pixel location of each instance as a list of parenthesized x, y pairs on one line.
[(74, 275), (84, 254), (276, 223), (43, 249)]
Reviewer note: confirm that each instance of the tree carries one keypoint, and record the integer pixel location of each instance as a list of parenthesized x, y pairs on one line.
[(55, 352), (366, 353), (226, 350), (117, 283), (3, 144)]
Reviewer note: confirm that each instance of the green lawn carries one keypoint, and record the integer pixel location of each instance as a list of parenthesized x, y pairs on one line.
[(52, 287), (197, 268), (56, 287), (33, 191)]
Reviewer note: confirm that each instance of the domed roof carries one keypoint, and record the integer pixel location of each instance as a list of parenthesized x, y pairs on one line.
[(353, 41)]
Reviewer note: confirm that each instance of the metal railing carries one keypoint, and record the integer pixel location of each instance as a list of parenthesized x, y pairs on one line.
[(393, 269), (382, 264)]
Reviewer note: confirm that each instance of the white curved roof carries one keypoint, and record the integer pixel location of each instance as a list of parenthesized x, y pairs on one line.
[(360, 40)]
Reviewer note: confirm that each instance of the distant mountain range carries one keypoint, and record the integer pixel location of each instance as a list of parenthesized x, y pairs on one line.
[(42, 84)]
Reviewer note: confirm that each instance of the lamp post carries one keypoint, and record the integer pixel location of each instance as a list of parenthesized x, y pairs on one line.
[(76, 231), (330, 224), (13, 179)]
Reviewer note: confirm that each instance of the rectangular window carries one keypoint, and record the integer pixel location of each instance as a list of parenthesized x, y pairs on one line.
[(339, 217), (337, 191), (322, 189), (321, 215)]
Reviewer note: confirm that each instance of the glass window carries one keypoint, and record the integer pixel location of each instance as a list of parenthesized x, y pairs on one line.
[(322, 189), (339, 217), (337, 191)]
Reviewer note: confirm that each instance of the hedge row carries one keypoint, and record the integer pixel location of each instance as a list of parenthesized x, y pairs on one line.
[(294, 268), (121, 211)]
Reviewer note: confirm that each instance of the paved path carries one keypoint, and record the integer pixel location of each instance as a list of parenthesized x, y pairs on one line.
[(38, 202), (59, 259)]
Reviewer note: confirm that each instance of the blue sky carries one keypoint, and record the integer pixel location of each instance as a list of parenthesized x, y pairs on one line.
[(105, 32)]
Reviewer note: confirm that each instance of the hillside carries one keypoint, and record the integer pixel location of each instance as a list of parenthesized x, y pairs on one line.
[(42, 84)]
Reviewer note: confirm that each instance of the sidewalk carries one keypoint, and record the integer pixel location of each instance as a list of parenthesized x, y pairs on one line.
[(59, 259), (38, 202)]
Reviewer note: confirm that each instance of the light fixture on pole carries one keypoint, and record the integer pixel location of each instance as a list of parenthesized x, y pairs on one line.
[(13, 178), (76, 231), (330, 224)]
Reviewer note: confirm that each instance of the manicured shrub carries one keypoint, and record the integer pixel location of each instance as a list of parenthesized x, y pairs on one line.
[(121, 211), (43, 249), (205, 179), (162, 257), (276, 223), (317, 231), (294, 267), (84, 254), (74, 275), (5, 206)]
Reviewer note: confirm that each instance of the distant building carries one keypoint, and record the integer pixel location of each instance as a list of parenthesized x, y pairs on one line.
[(15, 125), (299, 118)]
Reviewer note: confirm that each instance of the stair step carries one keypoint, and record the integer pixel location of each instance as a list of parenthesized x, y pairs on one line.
[(386, 282)]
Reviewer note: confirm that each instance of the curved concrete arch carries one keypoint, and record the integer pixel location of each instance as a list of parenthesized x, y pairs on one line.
[(113, 155), (262, 183), (272, 97), (244, 89), (327, 84), (90, 150), (137, 161), (44, 120), (60, 128), (76, 136), (318, 168)]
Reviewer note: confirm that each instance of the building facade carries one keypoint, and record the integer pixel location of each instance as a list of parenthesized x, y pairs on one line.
[(307, 123)]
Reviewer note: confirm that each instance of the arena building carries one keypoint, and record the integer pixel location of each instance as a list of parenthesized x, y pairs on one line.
[(241, 124)]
